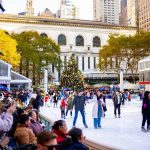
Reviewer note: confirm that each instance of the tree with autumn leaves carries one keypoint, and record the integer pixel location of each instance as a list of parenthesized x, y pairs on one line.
[(122, 48), (71, 76), (8, 49), (37, 51)]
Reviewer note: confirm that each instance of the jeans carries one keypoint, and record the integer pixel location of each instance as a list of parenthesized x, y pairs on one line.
[(67, 112), (97, 121), (145, 118), (63, 113), (76, 116), (115, 109)]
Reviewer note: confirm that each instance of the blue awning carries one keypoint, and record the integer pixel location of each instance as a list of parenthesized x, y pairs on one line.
[(3, 88)]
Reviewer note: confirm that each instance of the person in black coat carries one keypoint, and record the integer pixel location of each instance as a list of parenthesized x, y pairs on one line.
[(146, 111), (117, 99), (38, 101), (55, 100), (79, 103), (74, 141)]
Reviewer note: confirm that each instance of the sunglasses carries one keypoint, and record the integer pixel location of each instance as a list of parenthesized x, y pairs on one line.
[(53, 147)]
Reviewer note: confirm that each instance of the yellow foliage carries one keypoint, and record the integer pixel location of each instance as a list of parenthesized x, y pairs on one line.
[(8, 49)]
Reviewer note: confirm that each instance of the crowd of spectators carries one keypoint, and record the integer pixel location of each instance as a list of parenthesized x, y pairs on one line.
[(21, 129)]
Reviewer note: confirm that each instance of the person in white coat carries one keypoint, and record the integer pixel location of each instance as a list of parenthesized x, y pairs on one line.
[(97, 111)]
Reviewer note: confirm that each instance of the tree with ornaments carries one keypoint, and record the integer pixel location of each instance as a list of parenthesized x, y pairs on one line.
[(71, 76)]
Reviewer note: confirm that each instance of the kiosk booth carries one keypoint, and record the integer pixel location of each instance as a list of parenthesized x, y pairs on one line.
[(144, 73), (11, 79)]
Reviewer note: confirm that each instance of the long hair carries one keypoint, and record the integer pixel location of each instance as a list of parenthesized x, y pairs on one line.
[(146, 96), (57, 124), (37, 114), (6, 103)]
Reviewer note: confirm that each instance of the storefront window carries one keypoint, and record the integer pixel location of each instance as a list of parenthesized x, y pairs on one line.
[(147, 76), (3, 70), (147, 64)]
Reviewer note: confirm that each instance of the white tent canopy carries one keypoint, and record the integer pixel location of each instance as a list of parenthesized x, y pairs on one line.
[(128, 85)]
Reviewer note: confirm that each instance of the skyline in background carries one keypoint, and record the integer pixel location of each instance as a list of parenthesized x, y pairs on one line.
[(15, 7)]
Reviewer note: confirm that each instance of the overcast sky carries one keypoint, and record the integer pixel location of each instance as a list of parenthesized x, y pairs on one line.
[(16, 6)]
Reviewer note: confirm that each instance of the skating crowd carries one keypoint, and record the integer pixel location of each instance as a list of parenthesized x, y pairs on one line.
[(21, 129)]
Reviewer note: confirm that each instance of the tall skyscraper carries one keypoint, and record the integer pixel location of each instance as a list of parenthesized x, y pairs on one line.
[(29, 8), (144, 14), (123, 13), (132, 12), (69, 9), (106, 11)]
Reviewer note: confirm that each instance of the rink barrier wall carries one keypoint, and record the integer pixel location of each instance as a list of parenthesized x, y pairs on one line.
[(92, 145)]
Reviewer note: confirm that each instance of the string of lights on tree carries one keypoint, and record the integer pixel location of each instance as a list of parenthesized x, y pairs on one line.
[(71, 76)]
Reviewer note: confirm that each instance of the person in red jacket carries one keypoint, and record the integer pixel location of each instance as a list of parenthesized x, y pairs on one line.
[(60, 130), (62, 107), (46, 99)]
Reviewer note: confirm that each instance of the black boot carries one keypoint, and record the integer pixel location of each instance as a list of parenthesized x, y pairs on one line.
[(85, 126), (143, 129)]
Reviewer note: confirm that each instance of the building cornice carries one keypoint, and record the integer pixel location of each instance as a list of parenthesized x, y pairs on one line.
[(60, 22)]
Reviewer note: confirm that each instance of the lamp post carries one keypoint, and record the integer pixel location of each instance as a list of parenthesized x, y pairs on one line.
[(121, 79), (46, 69)]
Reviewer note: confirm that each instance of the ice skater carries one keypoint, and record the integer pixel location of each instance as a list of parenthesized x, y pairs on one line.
[(69, 104), (62, 108), (79, 103), (97, 111), (146, 111), (117, 99), (55, 98)]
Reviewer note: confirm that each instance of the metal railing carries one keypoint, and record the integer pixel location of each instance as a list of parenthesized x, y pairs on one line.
[(92, 145)]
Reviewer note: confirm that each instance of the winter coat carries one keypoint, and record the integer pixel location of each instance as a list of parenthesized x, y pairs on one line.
[(60, 135), (6, 121), (55, 98), (24, 135), (36, 127), (63, 104), (115, 99), (146, 106), (95, 106), (79, 102), (46, 98), (75, 146), (69, 102), (37, 102)]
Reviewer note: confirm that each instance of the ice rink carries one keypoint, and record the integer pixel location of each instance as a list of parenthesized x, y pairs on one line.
[(120, 133)]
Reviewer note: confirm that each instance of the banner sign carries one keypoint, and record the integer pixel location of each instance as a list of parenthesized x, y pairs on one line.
[(4, 82)]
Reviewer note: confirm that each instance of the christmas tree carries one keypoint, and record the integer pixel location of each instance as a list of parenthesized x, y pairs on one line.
[(71, 76)]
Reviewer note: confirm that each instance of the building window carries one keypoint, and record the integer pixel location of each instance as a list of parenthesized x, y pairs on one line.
[(82, 63), (94, 62), (79, 41), (65, 61), (88, 62), (44, 35), (53, 68), (3, 70), (62, 39), (77, 60), (96, 42)]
